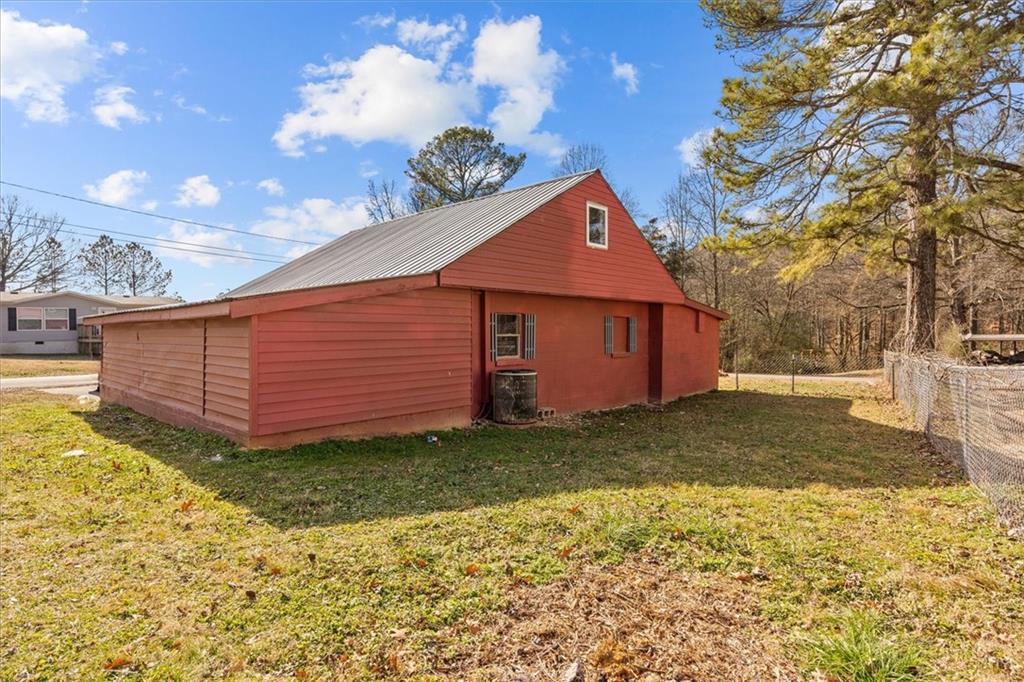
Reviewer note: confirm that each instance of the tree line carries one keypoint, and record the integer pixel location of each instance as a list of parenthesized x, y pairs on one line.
[(36, 254)]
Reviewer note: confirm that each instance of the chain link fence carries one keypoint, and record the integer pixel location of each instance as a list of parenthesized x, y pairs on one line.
[(740, 364), (973, 415)]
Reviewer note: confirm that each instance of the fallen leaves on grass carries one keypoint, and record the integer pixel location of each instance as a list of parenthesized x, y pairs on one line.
[(117, 663), (638, 620), (187, 504)]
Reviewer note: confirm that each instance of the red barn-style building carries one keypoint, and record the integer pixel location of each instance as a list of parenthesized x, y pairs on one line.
[(398, 327)]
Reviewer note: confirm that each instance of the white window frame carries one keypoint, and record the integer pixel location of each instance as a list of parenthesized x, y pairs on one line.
[(66, 318), (41, 318), (518, 336), (607, 228)]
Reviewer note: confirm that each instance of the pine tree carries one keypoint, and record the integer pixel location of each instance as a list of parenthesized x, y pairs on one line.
[(56, 269), (102, 264), (461, 163), (852, 128), (142, 273)]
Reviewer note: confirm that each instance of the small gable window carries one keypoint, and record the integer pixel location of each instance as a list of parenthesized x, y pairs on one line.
[(597, 226)]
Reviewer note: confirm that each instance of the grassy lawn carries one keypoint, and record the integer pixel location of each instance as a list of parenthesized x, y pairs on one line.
[(763, 531), (12, 366)]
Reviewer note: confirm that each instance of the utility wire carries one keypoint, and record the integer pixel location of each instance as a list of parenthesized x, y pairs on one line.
[(104, 230), (214, 254), (155, 215)]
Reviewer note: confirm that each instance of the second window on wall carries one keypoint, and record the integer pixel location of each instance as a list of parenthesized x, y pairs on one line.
[(619, 335)]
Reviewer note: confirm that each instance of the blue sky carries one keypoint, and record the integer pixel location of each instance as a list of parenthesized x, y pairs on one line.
[(270, 118)]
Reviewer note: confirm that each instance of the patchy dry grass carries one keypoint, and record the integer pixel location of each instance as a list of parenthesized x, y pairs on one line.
[(12, 366), (173, 554)]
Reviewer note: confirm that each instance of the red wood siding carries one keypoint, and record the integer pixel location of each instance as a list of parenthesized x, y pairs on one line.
[(689, 363), (573, 372), (546, 252), (373, 359), (192, 372), (226, 400), (160, 361)]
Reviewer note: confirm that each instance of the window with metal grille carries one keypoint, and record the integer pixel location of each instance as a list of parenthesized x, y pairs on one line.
[(513, 335), (507, 335), (619, 335)]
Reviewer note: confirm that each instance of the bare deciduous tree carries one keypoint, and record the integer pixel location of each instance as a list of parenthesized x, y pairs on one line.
[(587, 156), (25, 236), (384, 203)]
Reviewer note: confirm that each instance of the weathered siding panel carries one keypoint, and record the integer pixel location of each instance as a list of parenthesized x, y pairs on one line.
[(158, 361), (546, 252), (227, 372), (370, 360), (190, 372)]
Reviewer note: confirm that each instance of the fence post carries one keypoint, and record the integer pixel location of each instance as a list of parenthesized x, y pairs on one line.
[(736, 365), (792, 372), (965, 433), (892, 376)]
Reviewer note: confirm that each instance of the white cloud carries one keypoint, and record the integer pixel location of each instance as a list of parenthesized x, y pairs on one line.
[(375, 20), (120, 48), (439, 39), (118, 188), (271, 186), (38, 62), (367, 169), (509, 57), (180, 102), (198, 109), (110, 106), (197, 191), (316, 220), (386, 94), (198, 238), (691, 147), (627, 73), (149, 205)]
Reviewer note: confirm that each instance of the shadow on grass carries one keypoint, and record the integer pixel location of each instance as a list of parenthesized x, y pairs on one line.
[(740, 439)]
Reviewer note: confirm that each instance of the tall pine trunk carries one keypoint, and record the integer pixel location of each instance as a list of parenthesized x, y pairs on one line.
[(922, 250)]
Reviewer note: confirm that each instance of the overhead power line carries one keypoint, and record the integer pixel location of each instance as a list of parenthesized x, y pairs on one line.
[(104, 230), (214, 254), (155, 215)]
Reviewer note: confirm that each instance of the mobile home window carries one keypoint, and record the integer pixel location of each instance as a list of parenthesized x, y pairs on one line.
[(56, 318), (30, 319), (597, 226), (508, 334)]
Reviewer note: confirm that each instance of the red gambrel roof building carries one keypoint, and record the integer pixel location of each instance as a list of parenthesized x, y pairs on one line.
[(398, 327)]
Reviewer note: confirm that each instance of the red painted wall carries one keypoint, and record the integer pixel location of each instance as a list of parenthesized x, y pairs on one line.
[(689, 362), (372, 361), (546, 252), (188, 372), (573, 371)]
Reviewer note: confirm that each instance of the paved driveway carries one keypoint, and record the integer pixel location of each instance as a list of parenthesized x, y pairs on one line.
[(72, 384)]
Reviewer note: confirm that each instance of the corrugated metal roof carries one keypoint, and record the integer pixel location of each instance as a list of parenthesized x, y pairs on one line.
[(12, 298), (420, 243)]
